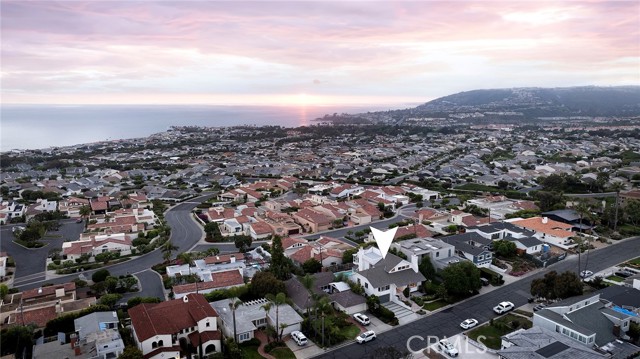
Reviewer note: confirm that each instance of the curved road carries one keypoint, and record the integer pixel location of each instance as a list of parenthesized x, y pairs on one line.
[(184, 234), (446, 323)]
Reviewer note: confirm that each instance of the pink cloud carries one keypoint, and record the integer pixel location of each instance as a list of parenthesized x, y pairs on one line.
[(119, 46)]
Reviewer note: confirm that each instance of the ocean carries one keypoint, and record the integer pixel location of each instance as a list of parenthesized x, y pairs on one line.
[(43, 126)]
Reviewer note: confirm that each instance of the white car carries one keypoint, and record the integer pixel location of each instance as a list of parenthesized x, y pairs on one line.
[(469, 323), (299, 338), (366, 337), (586, 274), (446, 347), (503, 307), (361, 318)]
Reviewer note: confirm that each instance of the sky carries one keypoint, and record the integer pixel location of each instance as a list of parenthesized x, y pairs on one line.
[(308, 52)]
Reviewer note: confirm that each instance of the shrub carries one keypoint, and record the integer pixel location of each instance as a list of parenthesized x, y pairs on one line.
[(100, 275)]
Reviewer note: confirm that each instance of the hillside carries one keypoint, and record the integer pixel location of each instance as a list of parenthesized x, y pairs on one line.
[(543, 102)]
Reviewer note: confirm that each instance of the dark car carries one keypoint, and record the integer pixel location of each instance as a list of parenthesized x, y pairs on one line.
[(624, 274), (538, 307)]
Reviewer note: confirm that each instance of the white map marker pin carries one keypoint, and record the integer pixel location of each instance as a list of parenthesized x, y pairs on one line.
[(384, 239)]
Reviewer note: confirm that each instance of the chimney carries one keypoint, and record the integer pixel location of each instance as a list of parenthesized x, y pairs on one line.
[(74, 340), (616, 330), (78, 351), (414, 263), (545, 220)]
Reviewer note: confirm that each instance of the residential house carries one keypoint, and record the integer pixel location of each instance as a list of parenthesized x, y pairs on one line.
[(547, 230), (586, 319), (339, 293), (523, 238), (96, 244), (542, 343), (473, 247), (71, 206), (440, 253), (219, 280), (251, 315), (3, 265), (260, 230), (312, 221), (162, 330), (570, 216), (387, 277)]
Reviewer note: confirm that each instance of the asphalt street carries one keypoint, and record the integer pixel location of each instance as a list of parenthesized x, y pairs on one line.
[(31, 262), (446, 323), (185, 233)]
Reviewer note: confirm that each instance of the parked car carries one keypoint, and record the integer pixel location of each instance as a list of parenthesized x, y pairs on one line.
[(446, 347), (366, 337), (586, 274), (503, 307), (361, 318), (469, 323), (623, 274), (484, 281), (79, 220), (299, 338)]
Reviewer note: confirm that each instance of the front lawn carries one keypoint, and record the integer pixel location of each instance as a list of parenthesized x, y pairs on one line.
[(250, 352), (431, 306), (635, 262), (282, 353), (615, 278), (493, 331), (350, 332)]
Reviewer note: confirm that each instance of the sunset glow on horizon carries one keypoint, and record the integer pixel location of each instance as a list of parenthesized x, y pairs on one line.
[(308, 53)]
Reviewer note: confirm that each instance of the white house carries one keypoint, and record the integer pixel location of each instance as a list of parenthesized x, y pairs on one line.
[(387, 277), (251, 315), (161, 330), (548, 230), (119, 242)]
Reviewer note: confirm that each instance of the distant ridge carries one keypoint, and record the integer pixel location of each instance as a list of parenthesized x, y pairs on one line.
[(542, 102)]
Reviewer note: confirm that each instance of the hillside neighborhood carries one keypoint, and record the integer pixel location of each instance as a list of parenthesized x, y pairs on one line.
[(256, 241)]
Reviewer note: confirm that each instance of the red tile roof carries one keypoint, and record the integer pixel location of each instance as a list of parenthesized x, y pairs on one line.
[(196, 337), (150, 319), (39, 316), (418, 229), (46, 291), (220, 280), (99, 205), (289, 241), (261, 228), (223, 258), (553, 228)]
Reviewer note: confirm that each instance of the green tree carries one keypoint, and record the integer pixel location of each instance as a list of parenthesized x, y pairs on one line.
[(632, 210), (427, 269), (243, 243), (280, 265), (167, 250), (549, 201), (4, 290), (264, 283), (111, 284), (137, 300), (109, 299), (131, 352), (617, 187), (17, 340), (461, 278), (568, 284), (347, 256), (312, 265), (307, 282), (85, 212), (234, 303), (100, 275), (504, 248)]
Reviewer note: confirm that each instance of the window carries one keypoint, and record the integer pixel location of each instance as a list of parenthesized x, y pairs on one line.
[(487, 256), (207, 325), (582, 338), (480, 257), (590, 340), (160, 343), (438, 254), (565, 331), (557, 328), (243, 336), (366, 285), (586, 302)]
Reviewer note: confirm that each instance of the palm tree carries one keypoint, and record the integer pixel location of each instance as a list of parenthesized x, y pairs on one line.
[(167, 250), (186, 258), (234, 303), (583, 210), (277, 301), (307, 281), (85, 211), (267, 307), (617, 187)]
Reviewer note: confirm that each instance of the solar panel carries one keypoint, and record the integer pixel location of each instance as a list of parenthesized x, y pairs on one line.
[(552, 349)]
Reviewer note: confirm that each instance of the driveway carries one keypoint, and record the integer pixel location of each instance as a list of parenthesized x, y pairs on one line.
[(446, 322)]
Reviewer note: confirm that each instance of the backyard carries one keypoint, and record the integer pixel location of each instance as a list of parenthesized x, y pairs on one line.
[(494, 330)]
